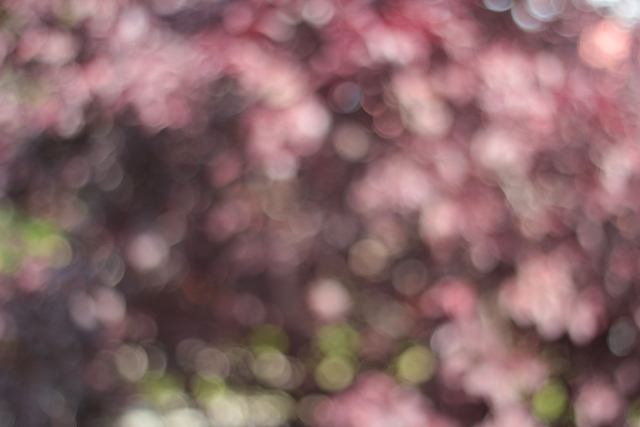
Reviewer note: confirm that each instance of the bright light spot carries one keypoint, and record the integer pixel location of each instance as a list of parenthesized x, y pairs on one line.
[(263, 411), (185, 417), (603, 3), (140, 418), (440, 222), (133, 25), (628, 11), (605, 45), (498, 5), (258, 410), (500, 151), (228, 411), (544, 10), (445, 340), (429, 117), (311, 119), (523, 18), (147, 251), (131, 362), (329, 299)]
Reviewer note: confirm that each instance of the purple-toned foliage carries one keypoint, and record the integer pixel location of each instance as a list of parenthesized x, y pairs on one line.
[(391, 213)]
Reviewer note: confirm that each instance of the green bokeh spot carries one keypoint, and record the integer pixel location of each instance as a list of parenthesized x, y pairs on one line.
[(9, 260), (267, 336), (205, 389), (338, 338), (39, 239), (633, 414), (415, 365), (22, 238), (550, 403), (160, 390), (334, 373), (6, 217)]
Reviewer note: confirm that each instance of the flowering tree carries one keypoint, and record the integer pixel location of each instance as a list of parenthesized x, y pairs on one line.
[(317, 212)]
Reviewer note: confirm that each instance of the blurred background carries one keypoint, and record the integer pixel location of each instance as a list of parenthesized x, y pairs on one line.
[(381, 213)]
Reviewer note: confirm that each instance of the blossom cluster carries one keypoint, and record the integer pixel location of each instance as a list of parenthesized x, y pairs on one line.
[(318, 212)]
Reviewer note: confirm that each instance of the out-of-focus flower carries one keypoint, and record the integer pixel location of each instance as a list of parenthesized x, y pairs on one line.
[(544, 295), (597, 404), (422, 111), (376, 400), (395, 183), (453, 297), (605, 45), (503, 382), (303, 195), (515, 415)]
